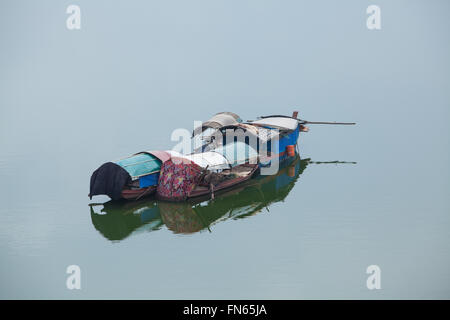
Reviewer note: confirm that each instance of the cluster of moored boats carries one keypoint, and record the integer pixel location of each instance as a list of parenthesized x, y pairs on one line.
[(229, 152)]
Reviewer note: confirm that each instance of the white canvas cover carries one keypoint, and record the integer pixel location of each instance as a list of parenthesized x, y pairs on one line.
[(212, 160), (222, 157), (277, 122), (237, 153)]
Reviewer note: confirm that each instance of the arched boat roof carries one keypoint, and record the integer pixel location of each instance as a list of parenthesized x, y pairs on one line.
[(218, 121), (282, 123)]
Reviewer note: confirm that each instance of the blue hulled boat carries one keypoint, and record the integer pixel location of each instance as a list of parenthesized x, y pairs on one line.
[(227, 151)]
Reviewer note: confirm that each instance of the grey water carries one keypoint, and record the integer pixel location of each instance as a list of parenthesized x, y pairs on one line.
[(71, 100)]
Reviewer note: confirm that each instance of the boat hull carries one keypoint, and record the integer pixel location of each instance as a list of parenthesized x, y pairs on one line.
[(136, 194), (224, 185)]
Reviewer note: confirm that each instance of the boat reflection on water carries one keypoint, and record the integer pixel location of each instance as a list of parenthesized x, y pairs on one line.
[(117, 220)]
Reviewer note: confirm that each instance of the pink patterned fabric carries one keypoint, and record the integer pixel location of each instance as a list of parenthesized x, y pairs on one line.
[(177, 179)]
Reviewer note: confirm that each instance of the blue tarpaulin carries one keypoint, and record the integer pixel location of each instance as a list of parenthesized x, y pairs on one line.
[(149, 180)]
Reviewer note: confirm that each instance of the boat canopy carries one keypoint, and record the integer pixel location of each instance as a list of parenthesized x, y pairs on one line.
[(210, 159), (222, 157), (219, 120), (278, 123), (237, 153), (140, 164)]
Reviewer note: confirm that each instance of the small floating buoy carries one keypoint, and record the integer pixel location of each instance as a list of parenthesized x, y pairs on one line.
[(290, 150)]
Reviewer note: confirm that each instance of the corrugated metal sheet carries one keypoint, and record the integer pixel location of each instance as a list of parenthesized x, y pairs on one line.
[(140, 165)]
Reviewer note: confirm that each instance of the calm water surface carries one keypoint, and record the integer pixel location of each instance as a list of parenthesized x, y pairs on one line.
[(374, 193)]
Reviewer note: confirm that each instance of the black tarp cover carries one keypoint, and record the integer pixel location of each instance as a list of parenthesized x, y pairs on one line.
[(109, 179)]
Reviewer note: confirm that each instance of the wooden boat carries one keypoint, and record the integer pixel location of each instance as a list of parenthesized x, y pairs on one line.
[(145, 184), (210, 168), (182, 181), (206, 181)]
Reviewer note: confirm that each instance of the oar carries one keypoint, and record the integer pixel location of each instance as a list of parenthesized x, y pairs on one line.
[(306, 121), (325, 122)]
